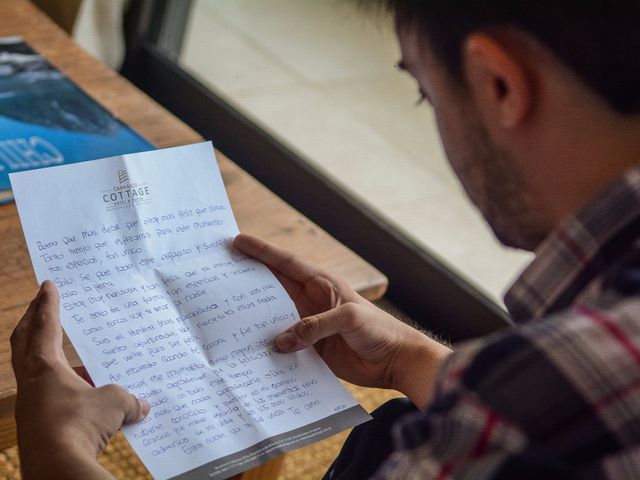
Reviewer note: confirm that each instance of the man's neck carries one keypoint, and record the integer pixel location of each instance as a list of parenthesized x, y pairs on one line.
[(584, 150)]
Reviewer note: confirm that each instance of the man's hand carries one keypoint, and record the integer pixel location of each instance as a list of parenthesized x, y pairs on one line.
[(361, 343), (62, 421)]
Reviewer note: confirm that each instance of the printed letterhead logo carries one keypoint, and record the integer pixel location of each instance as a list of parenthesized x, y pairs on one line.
[(123, 176), (126, 194)]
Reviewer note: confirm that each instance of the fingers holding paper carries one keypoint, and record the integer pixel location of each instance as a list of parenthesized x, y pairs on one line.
[(59, 415), (366, 346), (312, 290), (359, 342)]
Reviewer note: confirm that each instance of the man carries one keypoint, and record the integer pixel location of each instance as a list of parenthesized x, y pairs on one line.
[(538, 104)]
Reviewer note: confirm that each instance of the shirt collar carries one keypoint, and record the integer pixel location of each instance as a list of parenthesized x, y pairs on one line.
[(578, 251)]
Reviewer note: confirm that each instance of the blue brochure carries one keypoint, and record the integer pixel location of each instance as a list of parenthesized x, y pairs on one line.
[(47, 120)]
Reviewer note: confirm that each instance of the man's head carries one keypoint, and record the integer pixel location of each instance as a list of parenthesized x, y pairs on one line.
[(538, 102)]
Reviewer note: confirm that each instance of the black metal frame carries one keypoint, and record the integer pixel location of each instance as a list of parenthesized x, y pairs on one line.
[(419, 284)]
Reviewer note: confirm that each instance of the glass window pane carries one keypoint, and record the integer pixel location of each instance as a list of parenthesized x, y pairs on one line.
[(320, 76)]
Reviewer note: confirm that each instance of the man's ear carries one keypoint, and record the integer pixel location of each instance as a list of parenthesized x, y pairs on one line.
[(498, 81)]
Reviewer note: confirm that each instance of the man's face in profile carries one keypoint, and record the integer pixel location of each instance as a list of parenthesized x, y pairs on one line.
[(486, 172)]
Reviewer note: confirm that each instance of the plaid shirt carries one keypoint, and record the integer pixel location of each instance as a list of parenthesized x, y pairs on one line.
[(558, 397)]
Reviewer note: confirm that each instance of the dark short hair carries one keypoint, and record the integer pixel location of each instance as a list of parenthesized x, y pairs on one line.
[(599, 40)]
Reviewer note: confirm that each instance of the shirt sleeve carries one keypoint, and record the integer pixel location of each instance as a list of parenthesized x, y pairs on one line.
[(536, 402)]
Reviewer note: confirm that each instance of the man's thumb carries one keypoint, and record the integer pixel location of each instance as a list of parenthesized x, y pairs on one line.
[(136, 410), (133, 408), (311, 329)]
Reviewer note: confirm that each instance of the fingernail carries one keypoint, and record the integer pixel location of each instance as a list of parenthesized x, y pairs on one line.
[(285, 341), (146, 407), (43, 286)]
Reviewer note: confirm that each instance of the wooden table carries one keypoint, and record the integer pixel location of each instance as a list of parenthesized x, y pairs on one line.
[(258, 210)]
